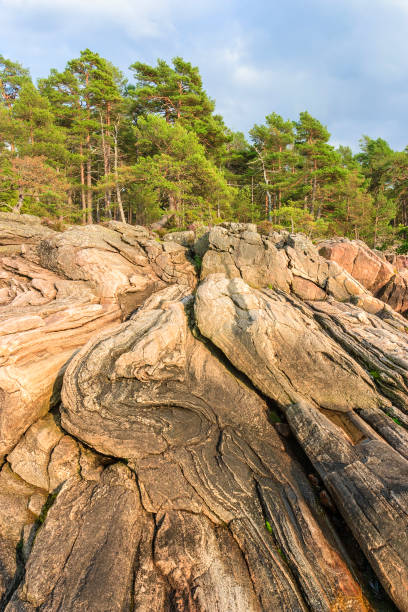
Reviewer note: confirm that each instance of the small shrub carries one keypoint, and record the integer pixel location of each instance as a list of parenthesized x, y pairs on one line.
[(395, 419), (273, 417), (44, 510), (198, 262), (264, 227)]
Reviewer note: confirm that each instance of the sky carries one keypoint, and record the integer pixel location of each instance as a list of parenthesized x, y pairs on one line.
[(345, 61)]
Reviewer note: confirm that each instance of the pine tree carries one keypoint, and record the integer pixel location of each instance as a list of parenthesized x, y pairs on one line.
[(321, 164), (177, 94), (274, 145), (376, 158), (38, 134), (178, 177), (399, 181), (352, 211), (62, 89), (34, 184), (88, 98), (12, 78)]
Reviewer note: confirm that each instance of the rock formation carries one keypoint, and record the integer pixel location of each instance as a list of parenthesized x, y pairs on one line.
[(56, 291), (386, 280), (238, 445)]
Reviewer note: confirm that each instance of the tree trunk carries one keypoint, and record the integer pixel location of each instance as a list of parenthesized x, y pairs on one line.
[(118, 195), (375, 231), (173, 204), (268, 199), (105, 166), (82, 175), (17, 208), (89, 180)]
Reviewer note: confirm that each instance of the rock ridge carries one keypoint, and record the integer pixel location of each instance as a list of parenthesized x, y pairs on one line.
[(159, 477)]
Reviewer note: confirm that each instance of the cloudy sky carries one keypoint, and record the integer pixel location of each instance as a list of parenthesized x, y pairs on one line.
[(345, 61)]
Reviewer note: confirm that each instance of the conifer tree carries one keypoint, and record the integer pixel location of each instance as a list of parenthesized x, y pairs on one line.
[(177, 94), (12, 78), (62, 89), (376, 158), (38, 133), (177, 177), (274, 145), (321, 164)]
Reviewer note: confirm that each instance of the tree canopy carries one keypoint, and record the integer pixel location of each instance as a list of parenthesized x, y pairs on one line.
[(86, 145)]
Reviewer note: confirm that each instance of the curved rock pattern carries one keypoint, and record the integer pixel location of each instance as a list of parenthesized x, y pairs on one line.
[(160, 482), (57, 292), (168, 409)]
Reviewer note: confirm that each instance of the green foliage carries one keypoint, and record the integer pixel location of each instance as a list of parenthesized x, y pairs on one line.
[(12, 78), (395, 419), (86, 145), (403, 232), (198, 262), (177, 173), (176, 93), (273, 416), (44, 510), (268, 526)]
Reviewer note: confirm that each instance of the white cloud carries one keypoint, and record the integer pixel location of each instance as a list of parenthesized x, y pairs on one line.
[(146, 18), (343, 60)]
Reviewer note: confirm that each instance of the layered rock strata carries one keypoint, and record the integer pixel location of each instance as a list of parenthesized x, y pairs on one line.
[(56, 291), (161, 482)]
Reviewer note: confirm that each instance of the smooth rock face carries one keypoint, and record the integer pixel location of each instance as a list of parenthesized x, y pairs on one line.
[(267, 336), (161, 482)]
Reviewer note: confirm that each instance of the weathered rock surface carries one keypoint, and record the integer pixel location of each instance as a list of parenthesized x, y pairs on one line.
[(168, 409), (290, 263), (368, 481), (57, 292), (16, 230), (385, 280), (186, 238), (278, 344), (161, 482)]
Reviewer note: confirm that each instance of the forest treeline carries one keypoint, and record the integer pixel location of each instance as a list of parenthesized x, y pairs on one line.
[(87, 145)]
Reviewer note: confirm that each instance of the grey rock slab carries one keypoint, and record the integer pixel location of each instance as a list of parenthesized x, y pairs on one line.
[(369, 483)]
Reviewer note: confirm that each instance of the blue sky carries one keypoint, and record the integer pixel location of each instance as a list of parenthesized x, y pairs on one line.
[(345, 61)]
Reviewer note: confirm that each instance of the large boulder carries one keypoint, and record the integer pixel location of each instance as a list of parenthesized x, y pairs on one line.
[(186, 238), (17, 230), (286, 262), (340, 417)]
